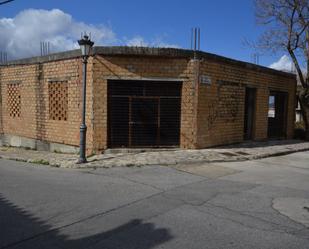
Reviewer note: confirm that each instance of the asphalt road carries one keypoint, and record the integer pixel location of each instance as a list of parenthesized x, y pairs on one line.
[(256, 204)]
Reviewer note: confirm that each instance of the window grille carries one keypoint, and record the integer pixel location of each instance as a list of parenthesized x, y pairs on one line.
[(58, 100), (14, 99)]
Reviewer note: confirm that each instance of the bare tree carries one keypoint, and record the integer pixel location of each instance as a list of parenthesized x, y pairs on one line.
[(5, 1), (287, 23)]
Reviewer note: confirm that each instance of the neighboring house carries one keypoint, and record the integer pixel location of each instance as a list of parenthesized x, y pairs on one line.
[(143, 97), (298, 114), (271, 107)]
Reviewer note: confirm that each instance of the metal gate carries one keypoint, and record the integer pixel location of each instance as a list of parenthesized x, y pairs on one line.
[(144, 113)]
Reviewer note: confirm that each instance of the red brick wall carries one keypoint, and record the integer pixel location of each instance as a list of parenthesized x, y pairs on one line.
[(211, 114), (221, 104), (124, 67), (26, 78), (34, 121)]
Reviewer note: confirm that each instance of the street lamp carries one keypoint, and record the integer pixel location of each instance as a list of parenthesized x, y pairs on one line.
[(85, 45)]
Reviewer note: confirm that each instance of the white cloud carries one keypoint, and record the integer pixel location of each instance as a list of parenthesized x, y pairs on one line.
[(21, 35), (139, 41), (283, 64)]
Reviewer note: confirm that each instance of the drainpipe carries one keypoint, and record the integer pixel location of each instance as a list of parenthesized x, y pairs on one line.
[(196, 76), (1, 108), (196, 80), (39, 103)]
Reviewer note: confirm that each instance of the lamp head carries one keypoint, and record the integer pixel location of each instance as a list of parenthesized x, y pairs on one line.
[(85, 45)]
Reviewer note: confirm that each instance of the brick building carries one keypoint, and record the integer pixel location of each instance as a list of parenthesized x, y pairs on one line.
[(141, 97)]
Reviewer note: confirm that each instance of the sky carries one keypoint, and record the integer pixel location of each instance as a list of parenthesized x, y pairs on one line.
[(224, 25)]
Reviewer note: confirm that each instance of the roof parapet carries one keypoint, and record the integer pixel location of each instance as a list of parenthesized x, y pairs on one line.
[(146, 51)]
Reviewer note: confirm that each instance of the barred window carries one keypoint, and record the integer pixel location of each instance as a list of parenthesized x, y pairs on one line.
[(14, 99), (58, 100)]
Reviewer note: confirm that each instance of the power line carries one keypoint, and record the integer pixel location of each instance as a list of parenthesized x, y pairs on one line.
[(5, 1)]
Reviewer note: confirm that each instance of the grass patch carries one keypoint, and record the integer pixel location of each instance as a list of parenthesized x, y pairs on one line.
[(300, 125), (27, 148), (40, 161), (130, 165), (299, 130), (18, 159)]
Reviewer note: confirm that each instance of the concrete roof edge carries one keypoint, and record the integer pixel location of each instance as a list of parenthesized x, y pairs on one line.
[(147, 51), (247, 65), (143, 51), (46, 58)]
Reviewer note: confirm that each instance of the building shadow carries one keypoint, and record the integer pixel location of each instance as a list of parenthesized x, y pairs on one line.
[(19, 229)]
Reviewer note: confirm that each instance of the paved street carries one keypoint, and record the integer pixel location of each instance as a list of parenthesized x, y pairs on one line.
[(251, 204)]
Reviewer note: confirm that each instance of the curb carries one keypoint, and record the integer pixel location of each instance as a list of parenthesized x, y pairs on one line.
[(89, 166), (240, 159), (280, 153), (243, 159), (34, 161)]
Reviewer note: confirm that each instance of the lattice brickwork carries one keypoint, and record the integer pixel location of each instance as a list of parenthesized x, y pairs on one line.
[(14, 100), (58, 100)]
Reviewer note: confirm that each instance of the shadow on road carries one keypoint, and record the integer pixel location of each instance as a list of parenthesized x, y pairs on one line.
[(20, 229)]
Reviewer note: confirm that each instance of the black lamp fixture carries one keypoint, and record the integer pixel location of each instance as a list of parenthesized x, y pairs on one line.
[(85, 44)]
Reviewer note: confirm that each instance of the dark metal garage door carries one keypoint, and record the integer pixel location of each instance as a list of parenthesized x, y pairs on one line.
[(144, 113)]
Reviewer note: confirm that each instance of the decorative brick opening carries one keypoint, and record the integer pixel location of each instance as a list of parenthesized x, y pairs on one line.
[(14, 99), (58, 100)]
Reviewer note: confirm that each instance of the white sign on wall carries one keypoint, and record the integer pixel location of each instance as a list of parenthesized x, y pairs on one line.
[(205, 79)]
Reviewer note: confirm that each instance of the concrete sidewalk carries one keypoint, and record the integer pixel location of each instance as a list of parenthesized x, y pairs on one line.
[(137, 158)]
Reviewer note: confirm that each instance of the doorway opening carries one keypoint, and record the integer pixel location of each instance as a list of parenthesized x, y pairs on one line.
[(144, 113), (249, 119), (277, 114)]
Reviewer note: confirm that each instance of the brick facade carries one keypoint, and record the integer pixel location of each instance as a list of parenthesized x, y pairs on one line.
[(140, 68), (211, 114), (221, 104)]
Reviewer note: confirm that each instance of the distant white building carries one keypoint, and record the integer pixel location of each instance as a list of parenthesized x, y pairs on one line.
[(299, 116)]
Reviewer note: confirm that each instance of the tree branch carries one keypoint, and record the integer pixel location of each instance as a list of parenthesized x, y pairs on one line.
[(298, 69), (6, 1)]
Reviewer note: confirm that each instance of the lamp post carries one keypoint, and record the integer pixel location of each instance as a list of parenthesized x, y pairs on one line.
[(85, 45)]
